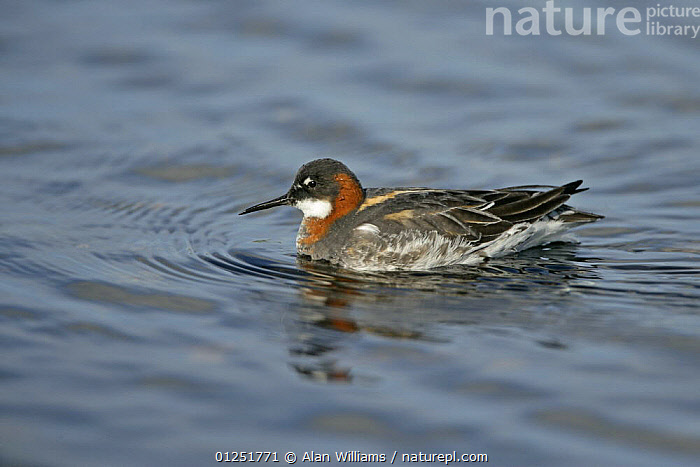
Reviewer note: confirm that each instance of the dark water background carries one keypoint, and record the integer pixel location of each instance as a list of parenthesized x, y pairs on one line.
[(144, 323)]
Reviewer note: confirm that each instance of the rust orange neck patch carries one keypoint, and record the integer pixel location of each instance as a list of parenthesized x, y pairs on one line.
[(349, 197)]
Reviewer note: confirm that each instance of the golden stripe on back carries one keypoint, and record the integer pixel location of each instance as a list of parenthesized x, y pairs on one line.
[(381, 198)]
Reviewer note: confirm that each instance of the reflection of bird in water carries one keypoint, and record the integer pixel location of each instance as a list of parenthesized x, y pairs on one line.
[(336, 304)]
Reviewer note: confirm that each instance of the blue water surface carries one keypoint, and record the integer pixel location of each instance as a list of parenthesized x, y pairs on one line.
[(145, 323)]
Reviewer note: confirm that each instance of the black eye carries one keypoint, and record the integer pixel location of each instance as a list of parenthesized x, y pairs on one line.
[(311, 183)]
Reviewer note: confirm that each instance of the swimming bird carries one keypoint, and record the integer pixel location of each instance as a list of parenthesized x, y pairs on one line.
[(409, 228)]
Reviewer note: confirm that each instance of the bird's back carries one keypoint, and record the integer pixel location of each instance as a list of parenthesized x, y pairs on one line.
[(423, 228)]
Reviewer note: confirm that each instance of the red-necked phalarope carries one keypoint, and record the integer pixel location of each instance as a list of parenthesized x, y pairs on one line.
[(420, 228)]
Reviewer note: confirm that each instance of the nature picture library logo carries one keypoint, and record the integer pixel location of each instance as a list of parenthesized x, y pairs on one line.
[(659, 20)]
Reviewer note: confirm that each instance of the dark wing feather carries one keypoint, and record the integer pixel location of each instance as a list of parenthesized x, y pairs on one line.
[(570, 188), (530, 207)]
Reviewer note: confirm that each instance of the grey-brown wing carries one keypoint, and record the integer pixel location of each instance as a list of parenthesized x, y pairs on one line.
[(478, 215), (453, 213)]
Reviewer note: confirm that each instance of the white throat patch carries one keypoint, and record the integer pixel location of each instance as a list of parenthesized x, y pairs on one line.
[(314, 207)]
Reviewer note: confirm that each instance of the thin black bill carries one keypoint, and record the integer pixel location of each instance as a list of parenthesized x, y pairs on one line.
[(281, 201)]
